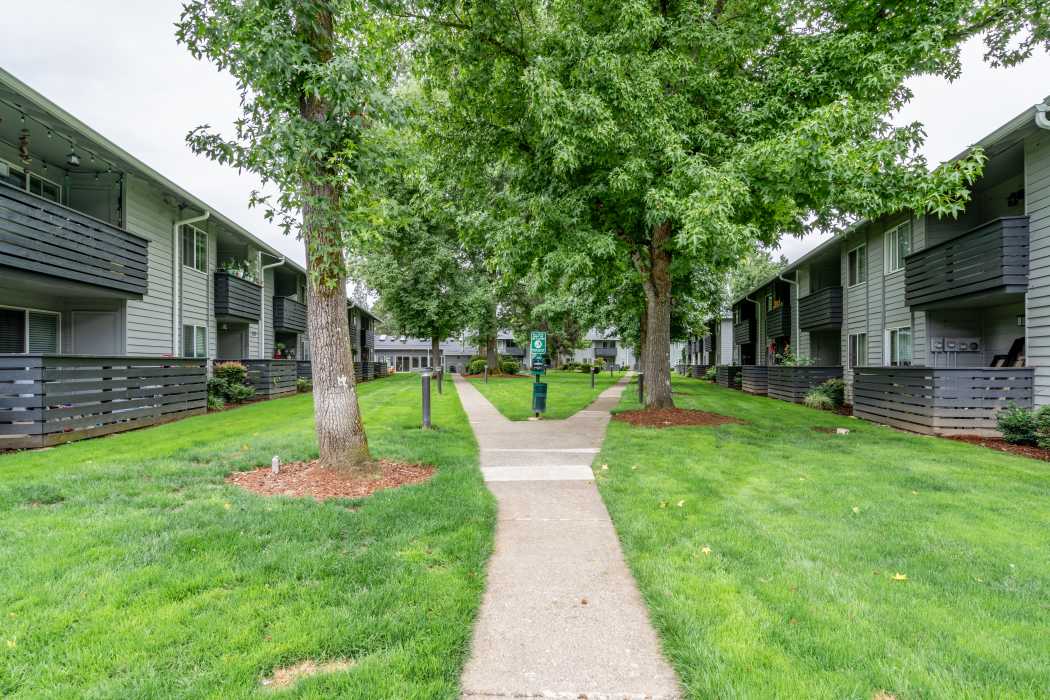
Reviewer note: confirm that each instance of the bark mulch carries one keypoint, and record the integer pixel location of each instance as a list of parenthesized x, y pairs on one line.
[(310, 480), (1003, 446), (673, 417)]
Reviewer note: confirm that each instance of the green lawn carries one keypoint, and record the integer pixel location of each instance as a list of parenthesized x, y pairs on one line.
[(130, 569), (796, 597), (567, 392)]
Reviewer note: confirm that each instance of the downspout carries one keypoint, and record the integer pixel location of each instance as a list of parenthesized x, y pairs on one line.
[(796, 337), (262, 305), (176, 277)]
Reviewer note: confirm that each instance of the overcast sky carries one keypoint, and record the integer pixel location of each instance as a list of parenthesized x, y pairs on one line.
[(116, 66)]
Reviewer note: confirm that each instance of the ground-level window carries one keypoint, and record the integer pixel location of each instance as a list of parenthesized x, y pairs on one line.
[(858, 349), (900, 350), (29, 331), (857, 265), (415, 361), (898, 247), (194, 341), (195, 248)]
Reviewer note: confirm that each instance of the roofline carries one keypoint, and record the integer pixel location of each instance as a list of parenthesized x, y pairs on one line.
[(75, 124)]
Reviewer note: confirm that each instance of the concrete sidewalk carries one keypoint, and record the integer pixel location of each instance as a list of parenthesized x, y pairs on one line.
[(561, 616)]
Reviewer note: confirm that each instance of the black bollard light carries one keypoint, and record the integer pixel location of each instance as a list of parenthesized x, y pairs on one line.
[(486, 374), (426, 399), (441, 379), (641, 388), (592, 379)]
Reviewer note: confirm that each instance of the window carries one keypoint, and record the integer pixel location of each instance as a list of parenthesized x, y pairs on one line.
[(195, 248), (194, 341), (30, 182), (857, 266), (415, 361), (29, 331), (899, 342), (858, 350), (898, 246)]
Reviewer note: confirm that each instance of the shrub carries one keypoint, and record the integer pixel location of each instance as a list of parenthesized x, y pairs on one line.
[(509, 367), (834, 389), (1018, 425), (232, 372), (240, 392), (584, 367), (477, 365), (215, 402), (302, 384), (1042, 427), (711, 374), (818, 399)]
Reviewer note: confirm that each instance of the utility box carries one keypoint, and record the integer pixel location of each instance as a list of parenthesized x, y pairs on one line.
[(539, 397)]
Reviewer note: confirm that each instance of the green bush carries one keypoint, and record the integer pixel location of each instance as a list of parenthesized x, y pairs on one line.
[(711, 374), (229, 383), (302, 385), (1042, 427), (818, 399), (477, 365), (239, 393), (584, 367), (509, 366), (834, 389), (1019, 426), (215, 402), (232, 372)]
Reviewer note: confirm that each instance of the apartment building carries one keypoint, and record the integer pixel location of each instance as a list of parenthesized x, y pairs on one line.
[(935, 324), (106, 263)]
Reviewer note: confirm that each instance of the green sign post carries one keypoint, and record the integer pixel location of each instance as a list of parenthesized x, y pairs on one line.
[(538, 348)]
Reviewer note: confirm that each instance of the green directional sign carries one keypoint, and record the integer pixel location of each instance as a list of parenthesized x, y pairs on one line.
[(538, 343)]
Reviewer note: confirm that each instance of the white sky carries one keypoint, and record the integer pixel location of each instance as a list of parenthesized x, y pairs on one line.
[(116, 66)]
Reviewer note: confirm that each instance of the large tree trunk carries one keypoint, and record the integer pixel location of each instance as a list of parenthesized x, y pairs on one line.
[(656, 361), (435, 353), (340, 432), (491, 356)]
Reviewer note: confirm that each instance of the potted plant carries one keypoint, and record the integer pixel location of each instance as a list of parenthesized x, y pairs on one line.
[(278, 351)]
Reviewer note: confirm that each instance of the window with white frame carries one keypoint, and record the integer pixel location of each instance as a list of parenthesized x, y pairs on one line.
[(858, 349), (898, 247), (898, 341), (194, 341), (195, 248), (29, 331), (857, 266), (33, 183)]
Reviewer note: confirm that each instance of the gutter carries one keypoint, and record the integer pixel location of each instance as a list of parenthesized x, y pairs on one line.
[(796, 333), (1042, 114), (262, 305), (176, 277)]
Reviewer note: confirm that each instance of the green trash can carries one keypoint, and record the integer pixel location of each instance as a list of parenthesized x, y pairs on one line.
[(539, 397)]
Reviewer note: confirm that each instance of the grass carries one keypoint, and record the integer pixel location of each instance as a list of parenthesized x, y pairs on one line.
[(775, 577), (130, 569), (567, 392)]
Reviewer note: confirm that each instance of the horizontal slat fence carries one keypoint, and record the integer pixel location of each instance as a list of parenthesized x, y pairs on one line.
[(50, 399), (754, 379), (272, 378), (744, 332), (37, 235), (237, 298), (793, 383), (940, 401), (821, 310), (728, 376), (303, 370), (778, 322), (698, 371), (289, 315)]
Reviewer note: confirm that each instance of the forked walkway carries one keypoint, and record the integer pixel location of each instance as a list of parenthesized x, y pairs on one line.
[(561, 616)]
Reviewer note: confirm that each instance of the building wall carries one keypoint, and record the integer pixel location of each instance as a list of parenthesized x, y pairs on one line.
[(1037, 207), (148, 321)]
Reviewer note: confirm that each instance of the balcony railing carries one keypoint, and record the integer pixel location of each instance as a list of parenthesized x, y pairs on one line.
[(237, 298), (940, 401), (778, 322), (608, 353), (744, 332), (289, 315), (50, 399), (821, 310), (39, 236), (791, 383), (272, 378), (990, 259)]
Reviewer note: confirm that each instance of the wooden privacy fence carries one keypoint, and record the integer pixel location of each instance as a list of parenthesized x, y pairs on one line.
[(793, 383), (272, 378), (728, 376), (50, 399), (754, 379), (940, 401), (698, 371)]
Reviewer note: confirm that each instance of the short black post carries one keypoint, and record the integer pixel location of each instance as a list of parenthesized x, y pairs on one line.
[(592, 378), (486, 374), (441, 378), (426, 399), (641, 388)]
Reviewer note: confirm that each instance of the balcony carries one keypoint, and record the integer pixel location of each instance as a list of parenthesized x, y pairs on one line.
[(778, 322), (39, 236), (289, 316), (607, 353), (236, 298), (982, 264), (821, 310), (940, 401), (744, 332)]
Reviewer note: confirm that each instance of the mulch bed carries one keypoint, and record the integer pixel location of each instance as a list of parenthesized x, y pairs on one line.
[(672, 417), (1003, 446), (310, 480)]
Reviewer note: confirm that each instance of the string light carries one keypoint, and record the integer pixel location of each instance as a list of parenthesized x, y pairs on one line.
[(22, 115)]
